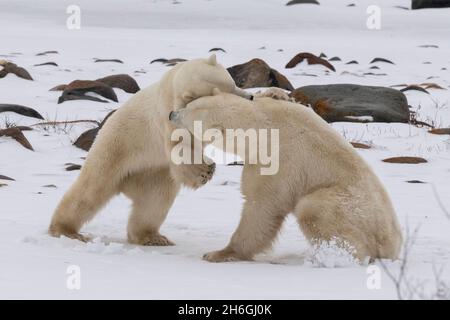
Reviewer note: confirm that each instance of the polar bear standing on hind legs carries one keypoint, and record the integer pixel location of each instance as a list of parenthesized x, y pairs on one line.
[(321, 179), (131, 154)]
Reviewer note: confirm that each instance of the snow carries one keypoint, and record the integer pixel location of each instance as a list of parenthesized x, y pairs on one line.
[(34, 265)]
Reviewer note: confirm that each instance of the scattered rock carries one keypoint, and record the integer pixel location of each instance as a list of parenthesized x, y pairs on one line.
[(25, 111), (169, 62), (86, 139), (17, 135), (60, 87), (121, 81), (421, 4), (414, 87), (429, 85), (375, 74), (49, 186), (415, 181), (322, 55), (440, 131), (401, 7), (47, 52), (108, 60), (51, 63), (381, 60), (257, 73), (236, 163), (405, 160), (6, 178), (355, 103), (353, 62), (335, 59), (3, 185), (310, 58), (76, 91), (72, 167), (374, 68), (359, 145), (9, 67), (217, 49), (429, 46), (292, 2)]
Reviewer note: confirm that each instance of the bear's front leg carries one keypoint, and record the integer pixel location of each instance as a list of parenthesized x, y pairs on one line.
[(260, 222), (194, 175)]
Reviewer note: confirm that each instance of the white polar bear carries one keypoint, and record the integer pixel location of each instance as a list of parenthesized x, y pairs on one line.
[(131, 154), (332, 191)]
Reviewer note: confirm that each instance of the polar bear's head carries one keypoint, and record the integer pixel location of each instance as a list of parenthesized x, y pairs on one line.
[(198, 78)]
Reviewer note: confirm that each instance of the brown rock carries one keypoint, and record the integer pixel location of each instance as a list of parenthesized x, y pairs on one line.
[(440, 131), (310, 58), (17, 135), (406, 160), (257, 73), (121, 81), (25, 111), (9, 67), (86, 139), (360, 145)]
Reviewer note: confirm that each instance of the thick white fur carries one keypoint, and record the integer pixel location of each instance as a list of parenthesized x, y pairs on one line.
[(321, 179), (131, 154)]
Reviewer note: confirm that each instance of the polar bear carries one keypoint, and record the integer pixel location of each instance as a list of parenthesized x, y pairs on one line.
[(331, 190), (131, 154)]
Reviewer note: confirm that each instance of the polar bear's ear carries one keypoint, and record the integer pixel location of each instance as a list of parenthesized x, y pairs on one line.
[(216, 91), (212, 60)]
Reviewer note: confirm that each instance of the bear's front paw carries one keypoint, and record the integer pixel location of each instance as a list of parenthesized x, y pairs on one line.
[(224, 255), (196, 175)]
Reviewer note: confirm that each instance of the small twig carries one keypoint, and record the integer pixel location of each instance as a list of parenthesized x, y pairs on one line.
[(439, 201), (54, 123)]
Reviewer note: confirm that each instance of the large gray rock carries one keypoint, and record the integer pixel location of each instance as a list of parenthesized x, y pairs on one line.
[(355, 103), (421, 4)]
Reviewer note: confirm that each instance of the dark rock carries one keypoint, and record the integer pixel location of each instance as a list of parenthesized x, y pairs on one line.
[(108, 60), (6, 178), (76, 91), (381, 60), (334, 59), (429, 46), (47, 52), (345, 102), (405, 160), (9, 67), (168, 62), (51, 63), (310, 58), (292, 2), (86, 139), (415, 181), (121, 81), (72, 167), (217, 49), (17, 135), (414, 87), (422, 4), (353, 62), (257, 73), (25, 111)]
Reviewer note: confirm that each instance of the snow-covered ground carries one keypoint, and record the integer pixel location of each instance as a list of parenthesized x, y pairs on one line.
[(34, 265)]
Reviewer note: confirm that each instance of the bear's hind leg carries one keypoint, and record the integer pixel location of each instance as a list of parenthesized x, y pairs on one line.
[(330, 214), (83, 200), (152, 193), (258, 228)]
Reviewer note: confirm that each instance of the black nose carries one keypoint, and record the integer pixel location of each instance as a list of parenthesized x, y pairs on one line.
[(171, 115)]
